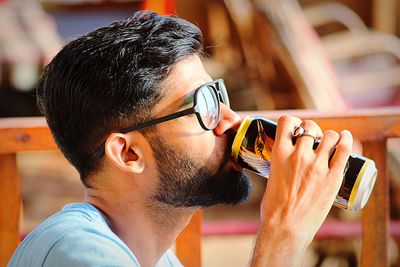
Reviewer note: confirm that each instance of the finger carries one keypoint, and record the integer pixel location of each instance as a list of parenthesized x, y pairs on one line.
[(284, 131), (342, 152), (328, 143), (307, 141)]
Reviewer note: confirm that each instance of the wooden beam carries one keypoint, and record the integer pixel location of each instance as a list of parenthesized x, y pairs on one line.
[(33, 139), (366, 125), (188, 243), (25, 134), (375, 215), (9, 207), (32, 134)]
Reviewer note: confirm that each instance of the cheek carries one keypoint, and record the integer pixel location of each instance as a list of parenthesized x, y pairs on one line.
[(188, 136), (150, 170), (210, 150), (200, 145), (203, 147)]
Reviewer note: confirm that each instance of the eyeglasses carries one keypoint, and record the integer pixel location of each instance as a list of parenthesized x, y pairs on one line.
[(206, 106)]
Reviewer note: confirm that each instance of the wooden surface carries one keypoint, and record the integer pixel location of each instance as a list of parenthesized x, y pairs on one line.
[(384, 15), (9, 207), (25, 134), (188, 243), (365, 124), (375, 216)]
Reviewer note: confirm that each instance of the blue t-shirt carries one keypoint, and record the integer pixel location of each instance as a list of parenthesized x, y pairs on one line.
[(78, 236)]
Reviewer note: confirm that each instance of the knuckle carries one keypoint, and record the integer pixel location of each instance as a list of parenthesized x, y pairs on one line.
[(311, 125), (347, 137), (308, 123), (288, 119), (345, 146), (285, 119), (332, 135)]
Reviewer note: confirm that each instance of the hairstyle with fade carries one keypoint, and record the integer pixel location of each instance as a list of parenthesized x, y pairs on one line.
[(110, 78)]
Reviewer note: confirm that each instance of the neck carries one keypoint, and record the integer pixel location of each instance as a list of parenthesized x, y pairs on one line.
[(146, 227)]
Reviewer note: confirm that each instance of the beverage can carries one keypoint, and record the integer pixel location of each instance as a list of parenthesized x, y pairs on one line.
[(252, 148)]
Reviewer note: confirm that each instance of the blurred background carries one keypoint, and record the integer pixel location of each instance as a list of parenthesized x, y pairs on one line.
[(272, 54)]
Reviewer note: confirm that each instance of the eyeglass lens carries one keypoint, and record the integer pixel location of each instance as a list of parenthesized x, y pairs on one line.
[(208, 107), (222, 91)]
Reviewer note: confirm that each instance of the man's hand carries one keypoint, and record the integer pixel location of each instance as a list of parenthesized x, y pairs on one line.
[(301, 189)]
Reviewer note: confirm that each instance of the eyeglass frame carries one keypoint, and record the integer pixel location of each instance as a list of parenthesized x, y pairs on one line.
[(192, 110)]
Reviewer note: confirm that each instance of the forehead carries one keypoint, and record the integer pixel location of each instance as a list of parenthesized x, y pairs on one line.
[(187, 75)]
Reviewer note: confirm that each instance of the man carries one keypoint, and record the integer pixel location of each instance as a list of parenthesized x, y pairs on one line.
[(132, 108)]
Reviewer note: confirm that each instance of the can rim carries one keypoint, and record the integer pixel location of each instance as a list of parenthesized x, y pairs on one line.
[(354, 191), (237, 142)]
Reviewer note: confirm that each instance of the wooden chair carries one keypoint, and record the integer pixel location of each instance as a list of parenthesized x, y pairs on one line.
[(365, 60), (372, 127)]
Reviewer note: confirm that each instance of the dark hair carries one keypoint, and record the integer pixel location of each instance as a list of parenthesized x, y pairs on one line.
[(109, 79)]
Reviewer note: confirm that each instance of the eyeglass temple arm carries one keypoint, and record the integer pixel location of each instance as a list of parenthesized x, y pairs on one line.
[(158, 120), (100, 152)]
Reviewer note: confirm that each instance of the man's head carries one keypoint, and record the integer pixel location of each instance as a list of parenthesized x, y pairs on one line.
[(116, 77), (110, 78)]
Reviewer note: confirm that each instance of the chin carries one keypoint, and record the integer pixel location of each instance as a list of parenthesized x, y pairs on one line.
[(231, 189)]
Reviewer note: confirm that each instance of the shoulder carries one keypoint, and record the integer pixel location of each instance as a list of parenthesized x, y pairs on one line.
[(86, 240), (75, 236), (89, 248)]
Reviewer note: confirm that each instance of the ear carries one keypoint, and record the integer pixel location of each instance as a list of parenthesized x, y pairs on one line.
[(124, 153)]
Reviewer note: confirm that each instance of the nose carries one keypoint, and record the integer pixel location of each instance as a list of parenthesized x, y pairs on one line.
[(229, 120)]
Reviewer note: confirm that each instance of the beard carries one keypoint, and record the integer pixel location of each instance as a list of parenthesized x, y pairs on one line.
[(187, 182)]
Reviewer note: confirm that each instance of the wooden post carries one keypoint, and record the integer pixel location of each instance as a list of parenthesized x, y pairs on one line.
[(384, 15), (188, 243), (375, 217), (9, 207)]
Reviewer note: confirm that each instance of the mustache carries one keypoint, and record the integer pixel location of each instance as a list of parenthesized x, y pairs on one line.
[(228, 148)]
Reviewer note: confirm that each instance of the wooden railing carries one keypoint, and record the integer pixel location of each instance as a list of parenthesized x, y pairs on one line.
[(371, 127)]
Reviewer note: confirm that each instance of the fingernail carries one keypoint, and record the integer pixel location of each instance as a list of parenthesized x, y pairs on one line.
[(346, 132)]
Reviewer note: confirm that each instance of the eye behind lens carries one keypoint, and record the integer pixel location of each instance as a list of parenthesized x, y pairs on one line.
[(208, 107)]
